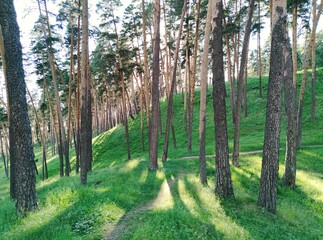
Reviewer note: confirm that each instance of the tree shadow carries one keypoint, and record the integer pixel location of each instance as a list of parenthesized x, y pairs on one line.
[(297, 213), (173, 221)]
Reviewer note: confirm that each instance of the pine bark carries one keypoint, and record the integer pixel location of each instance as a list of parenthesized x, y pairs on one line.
[(124, 106), (86, 109), (42, 140), (270, 161), (204, 76), (294, 45), (153, 149), (223, 185), (5, 160), (192, 87), (21, 149), (235, 158), (313, 113), (259, 62), (146, 69), (61, 131), (289, 176), (169, 118), (304, 78)]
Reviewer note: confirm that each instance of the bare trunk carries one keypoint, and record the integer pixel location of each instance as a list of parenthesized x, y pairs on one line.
[(223, 183), (270, 161), (259, 52), (124, 106), (204, 76), (289, 177), (192, 87), (85, 98), (235, 155), (170, 98), (153, 149), (294, 49), (232, 87), (304, 78), (313, 114), (146, 69)]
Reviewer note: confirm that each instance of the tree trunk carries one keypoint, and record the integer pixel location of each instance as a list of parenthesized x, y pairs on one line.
[(72, 78), (170, 98), (146, 69), (77, 95), (86, 109), (21, 149), (245, 87), (43, 143), (223, 185), (270, 161), (61, 130), (304, 78), (294, 49), (235, 155), (124, 106), (291, 119), (204, 76), (188, 70), (192, 87), (259, 52), (313, 114), (4, 158), (153, 149), (232, 87)]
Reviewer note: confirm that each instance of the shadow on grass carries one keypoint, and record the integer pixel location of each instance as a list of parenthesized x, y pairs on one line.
[(173, 221), (298, 214)]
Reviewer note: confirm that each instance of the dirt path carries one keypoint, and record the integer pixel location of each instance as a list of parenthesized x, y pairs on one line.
[(243, 153), (114, 231)]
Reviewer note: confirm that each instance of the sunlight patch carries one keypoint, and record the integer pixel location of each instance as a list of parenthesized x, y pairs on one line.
[(314, 185), (130, 165), (164, 199)]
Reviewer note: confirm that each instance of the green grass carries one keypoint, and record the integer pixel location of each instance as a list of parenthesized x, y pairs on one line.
[(178, 206)]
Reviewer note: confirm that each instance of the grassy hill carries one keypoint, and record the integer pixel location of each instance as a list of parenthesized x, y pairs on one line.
[(123, 199)]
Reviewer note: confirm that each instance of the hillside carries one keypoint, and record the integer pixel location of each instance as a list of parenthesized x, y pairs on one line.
[(124, 200)]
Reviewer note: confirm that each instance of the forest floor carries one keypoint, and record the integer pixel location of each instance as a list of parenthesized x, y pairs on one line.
[(124, 200)]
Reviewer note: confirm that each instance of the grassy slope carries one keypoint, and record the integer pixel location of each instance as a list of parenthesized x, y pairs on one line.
[(185, 210)]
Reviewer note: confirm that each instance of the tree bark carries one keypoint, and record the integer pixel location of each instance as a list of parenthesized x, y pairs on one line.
[(5, 164), (259, 52), (204, 76), (124, 106), (232, 87), (61, 130), (270, 161), (43, 143), (153, 149), (21, 149), (192, 87), (146, 69), (223, 185), (294, 46), (235, 155), (170, 98), (291, 118), (304, 78), (86, 109), (313, 113)]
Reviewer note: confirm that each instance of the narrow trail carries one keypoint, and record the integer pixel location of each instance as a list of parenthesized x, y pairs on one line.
[(244, 153), (114, 231)]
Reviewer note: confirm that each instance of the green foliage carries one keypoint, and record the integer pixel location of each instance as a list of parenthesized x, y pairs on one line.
[(171, 203)]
